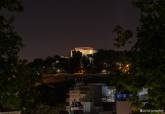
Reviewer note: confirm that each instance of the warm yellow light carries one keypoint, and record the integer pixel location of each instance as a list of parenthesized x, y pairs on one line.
[(125, 68), (84, 50)]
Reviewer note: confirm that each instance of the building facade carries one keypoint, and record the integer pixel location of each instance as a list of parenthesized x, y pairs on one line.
[(87, 99), (84, 50)]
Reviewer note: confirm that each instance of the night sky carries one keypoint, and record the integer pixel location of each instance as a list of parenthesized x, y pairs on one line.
[(50, 27)]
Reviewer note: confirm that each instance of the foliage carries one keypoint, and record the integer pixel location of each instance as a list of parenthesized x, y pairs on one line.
[(11, 5), (17, 80), (122, 36), (150, 46), (50, 65), (75, 61), (149, 52)]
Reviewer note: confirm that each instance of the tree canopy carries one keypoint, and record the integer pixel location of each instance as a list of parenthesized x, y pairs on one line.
[(149, 53), (16, 78), (150, 62)]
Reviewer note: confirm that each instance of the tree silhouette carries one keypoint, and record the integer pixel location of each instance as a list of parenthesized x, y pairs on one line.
[(17, 81), (149, 53)]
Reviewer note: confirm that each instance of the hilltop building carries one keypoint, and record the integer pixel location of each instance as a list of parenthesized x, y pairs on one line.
[(84, 50)]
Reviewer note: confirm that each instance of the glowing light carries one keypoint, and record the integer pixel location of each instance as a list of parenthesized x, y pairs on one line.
[(84, 50)]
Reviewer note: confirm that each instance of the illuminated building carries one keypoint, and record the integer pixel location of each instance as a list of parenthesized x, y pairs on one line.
[(84, 50)]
